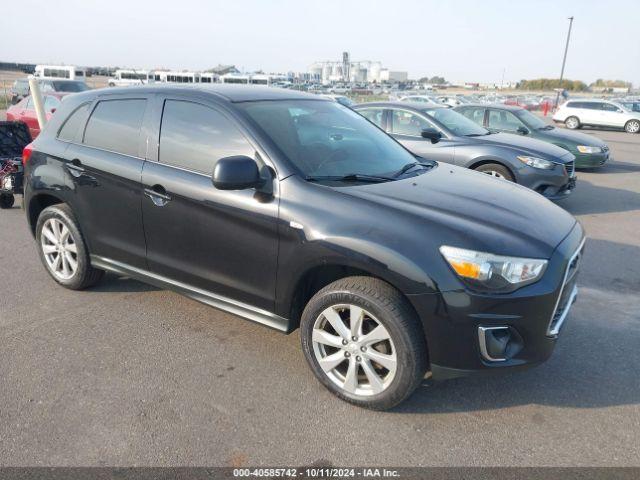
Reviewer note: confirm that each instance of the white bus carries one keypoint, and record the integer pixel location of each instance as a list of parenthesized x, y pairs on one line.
[(68, 72), (123, 78), (208, 77), (181, 77), (235, 78)]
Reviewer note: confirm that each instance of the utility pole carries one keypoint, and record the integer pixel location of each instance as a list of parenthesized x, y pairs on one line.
[(564, 60)]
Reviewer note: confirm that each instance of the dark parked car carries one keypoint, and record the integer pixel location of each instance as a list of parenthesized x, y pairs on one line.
[(589, 151), (294, 211), (439, 133), (20, 88)]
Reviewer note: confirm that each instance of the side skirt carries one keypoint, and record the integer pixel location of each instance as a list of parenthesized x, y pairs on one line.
[(223, 303)]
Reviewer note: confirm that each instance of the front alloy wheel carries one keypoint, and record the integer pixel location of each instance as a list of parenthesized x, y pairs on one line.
[(359, 358), (364, 342)]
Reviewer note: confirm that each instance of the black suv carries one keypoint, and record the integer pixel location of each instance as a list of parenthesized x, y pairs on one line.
[(294, 211)]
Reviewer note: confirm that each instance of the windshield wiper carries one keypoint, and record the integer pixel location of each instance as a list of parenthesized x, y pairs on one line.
[(409, 166), (547, 127), (488, 132), (350, 177)]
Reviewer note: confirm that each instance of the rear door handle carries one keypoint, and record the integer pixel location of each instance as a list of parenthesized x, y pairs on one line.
[(158, 195)]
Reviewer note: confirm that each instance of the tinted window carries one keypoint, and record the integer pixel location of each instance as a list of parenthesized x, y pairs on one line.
[(501, 120), (324, 138), (609, 107), (474, 114), (407, 123), (195, 137), (69, 86), (457, 124), (73, 123), (373, 115), (115, 125)]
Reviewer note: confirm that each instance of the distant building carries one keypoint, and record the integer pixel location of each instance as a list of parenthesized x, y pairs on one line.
[(354, 71), (224, 69)]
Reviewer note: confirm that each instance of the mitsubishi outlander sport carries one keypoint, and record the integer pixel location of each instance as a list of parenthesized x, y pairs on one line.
[(293, 211)]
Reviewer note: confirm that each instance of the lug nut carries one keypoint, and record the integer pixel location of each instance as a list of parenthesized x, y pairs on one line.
[(363, 349), (344, 342), (358, 358), (347, 354), (354, 338)]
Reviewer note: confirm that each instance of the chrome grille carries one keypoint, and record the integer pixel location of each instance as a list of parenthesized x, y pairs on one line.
[(568, 293), (570, 168)]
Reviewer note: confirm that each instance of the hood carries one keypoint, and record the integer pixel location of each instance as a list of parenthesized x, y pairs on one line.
[(577, 138), (473, 210), (531, 146)]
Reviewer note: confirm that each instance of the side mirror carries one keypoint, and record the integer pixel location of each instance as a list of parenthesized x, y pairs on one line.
[(522, 130), (431, 134), (236, 173)]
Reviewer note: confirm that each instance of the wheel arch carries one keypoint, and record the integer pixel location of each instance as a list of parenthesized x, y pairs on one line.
[(485, 160), (319, 276), (37, 204)]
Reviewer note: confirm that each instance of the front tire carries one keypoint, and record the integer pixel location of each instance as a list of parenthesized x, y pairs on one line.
[(63, 250), (495, 170), (572, 123), (632, 126), (364, 342)]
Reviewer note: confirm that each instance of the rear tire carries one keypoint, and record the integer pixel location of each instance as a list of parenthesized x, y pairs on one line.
[(495, 170), (572, 123), (6, 200), (63, 250), (364, 342), (632, 126)]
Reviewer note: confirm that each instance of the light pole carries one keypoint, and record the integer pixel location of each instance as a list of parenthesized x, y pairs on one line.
[(564, 60)]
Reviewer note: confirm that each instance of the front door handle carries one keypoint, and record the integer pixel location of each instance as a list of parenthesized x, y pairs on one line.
[(158, 195)]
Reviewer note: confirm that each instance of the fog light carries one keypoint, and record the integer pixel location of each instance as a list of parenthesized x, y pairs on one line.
[(499, 344)]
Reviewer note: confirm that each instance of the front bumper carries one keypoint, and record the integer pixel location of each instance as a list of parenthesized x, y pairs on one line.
[(454, 321), (554, 184), (584, 160)]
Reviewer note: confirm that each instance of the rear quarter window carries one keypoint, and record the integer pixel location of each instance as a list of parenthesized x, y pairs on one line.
[(115, 125), (73, 123)]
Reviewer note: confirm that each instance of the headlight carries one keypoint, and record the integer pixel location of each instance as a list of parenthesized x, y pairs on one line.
[(587, 149), (536, 162), (490, 272)]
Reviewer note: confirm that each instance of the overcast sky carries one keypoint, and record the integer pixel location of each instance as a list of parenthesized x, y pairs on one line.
[(459, 39)]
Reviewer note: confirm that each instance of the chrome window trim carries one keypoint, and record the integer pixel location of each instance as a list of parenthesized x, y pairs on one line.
[(553, 332)]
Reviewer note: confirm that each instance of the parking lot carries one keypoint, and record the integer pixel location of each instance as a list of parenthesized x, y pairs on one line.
[(127, 374)]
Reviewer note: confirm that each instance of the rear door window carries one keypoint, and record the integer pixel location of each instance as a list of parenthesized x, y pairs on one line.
[(195, 137), (115, 125), (474, 114)]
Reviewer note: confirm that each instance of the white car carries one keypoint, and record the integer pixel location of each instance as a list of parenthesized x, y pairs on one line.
[(420, 99), (602, 113)]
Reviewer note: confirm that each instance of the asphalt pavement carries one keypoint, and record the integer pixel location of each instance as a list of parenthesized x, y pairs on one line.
[(127, 374)]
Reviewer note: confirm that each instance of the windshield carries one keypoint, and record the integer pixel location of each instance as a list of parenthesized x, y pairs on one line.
[(530, 119), (327, 139), (458, 124), (70, 86)]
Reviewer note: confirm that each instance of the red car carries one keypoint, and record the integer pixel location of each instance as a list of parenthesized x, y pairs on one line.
[(25, 112)]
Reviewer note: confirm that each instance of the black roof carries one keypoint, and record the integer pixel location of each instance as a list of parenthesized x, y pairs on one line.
[(229, 92)]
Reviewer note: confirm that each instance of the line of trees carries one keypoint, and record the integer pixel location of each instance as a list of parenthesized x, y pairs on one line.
[(436, 80), (552, 83)]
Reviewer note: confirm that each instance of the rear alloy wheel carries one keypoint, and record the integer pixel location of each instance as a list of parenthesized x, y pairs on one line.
[(572, 123), (363, 342), (62, 249), (495, 170), (632, 126)]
